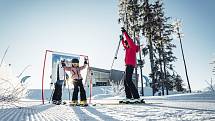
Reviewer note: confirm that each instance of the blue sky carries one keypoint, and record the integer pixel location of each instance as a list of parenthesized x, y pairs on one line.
[(86, 27), (198, 42)]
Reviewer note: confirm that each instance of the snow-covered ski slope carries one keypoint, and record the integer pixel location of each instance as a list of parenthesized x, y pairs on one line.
[(183, 107)]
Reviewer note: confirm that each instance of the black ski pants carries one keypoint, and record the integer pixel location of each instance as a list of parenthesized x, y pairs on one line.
[(130, 88), (57, 95), (78, 84)]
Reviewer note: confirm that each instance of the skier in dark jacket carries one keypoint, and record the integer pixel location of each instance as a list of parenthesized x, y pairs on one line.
[(131, 49), (60, 79)]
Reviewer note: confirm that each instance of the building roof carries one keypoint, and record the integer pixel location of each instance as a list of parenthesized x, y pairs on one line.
[(100, 70)]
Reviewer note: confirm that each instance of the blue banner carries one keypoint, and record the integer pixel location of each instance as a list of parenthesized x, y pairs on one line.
[(57, 58)]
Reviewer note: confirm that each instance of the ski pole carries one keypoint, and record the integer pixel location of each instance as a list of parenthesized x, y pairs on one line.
[(68, 89), (117, 50), (66, 79), (51, 94), (116, 53)]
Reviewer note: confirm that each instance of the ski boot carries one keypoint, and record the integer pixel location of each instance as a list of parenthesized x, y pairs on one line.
[(58, 102), (142, 101), (126, 101), (74, 103), (54, 102), (83, 103), (137, 101), (64, 102)]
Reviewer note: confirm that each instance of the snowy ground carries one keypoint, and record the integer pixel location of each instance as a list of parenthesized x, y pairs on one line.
[(188, 107)]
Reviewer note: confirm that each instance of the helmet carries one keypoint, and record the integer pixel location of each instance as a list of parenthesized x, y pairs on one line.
[(75, 60)]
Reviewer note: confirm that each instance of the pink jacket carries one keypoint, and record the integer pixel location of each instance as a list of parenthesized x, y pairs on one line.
[(130, 54), (76, 71)]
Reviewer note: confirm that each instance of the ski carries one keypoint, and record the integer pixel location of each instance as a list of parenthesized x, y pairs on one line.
[(129, 102), (80, 105), (121, 103)]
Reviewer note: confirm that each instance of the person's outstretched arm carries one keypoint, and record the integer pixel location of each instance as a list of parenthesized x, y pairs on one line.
[(128, 38), (85, 65), (123, 41)]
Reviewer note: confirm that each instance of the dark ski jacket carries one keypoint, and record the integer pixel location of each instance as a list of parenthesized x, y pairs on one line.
[(130, 52)]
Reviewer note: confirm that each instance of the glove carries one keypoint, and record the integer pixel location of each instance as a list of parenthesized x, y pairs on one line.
[(121, 37), (85, 61), (123, 29), (63, 64)]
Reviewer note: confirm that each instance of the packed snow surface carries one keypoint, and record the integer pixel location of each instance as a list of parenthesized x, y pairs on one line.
[(182, 107)]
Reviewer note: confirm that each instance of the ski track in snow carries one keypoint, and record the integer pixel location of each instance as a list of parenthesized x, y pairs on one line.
[(153, 111)]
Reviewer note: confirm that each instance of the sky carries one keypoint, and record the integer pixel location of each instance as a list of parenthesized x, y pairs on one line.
[(29, 27)]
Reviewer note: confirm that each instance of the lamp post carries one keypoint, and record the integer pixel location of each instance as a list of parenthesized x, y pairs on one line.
[(177, 26), (213, 67)]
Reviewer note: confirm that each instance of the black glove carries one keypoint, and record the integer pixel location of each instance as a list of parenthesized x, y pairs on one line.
[(123, 29), (121, 37), (85, 61), (63, 64)]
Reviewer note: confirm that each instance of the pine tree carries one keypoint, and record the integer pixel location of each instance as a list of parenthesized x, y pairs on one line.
[(178, 85), (161, 48), (147, 26)]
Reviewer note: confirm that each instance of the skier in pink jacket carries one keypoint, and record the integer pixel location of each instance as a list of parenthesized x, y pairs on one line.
[(75, 71), (132, 95)]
